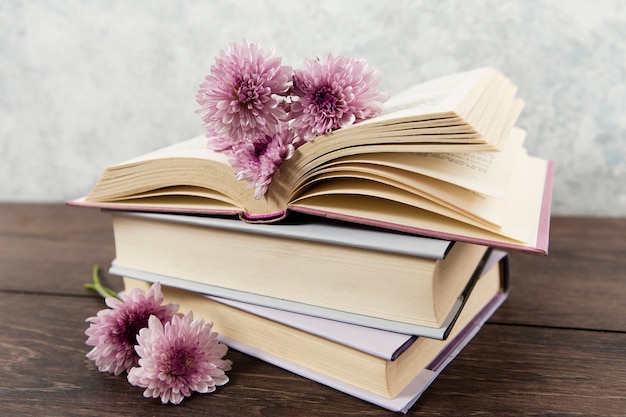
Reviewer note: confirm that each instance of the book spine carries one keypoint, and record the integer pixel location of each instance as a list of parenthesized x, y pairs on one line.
[(263, 218)]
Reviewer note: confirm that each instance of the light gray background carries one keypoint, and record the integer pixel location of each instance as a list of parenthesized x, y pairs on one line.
[(84, 84)]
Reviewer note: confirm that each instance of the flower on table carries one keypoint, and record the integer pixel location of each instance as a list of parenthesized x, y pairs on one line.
[(178, 358), (333, 94), (113, 331), (166, 352)]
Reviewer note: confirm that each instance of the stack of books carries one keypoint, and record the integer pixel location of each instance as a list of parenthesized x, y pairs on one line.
[(375, 256)]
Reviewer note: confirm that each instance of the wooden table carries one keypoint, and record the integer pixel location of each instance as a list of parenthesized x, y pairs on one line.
[(557, 346)]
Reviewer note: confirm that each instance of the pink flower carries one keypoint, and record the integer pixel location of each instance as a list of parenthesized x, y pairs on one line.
[(241, 97), (257, 161), (113, 331), (257, 111), (179, 358), (333, 94), (219, 143)]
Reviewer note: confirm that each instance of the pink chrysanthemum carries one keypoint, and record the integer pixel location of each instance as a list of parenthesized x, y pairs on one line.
[(257, 161), (219, 143), (113, 331), (333, 94), (178, 358), (242, 96)]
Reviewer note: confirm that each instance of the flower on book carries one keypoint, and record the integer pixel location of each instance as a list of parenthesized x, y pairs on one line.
[(241, 97), (258, 160), (258, 111), (333, 94), (178, 358), (169, 354)]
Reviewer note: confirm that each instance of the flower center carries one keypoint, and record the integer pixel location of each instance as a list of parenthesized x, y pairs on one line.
[(181, 362), (260, 146), (325, 100), (131, 328), (247, 92)]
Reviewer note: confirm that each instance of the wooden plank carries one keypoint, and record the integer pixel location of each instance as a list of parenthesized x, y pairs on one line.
[(580, 284), (506, 370), (51, 248), (519, 370)]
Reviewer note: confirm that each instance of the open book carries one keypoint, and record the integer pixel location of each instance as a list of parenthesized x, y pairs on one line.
[(443, 160)]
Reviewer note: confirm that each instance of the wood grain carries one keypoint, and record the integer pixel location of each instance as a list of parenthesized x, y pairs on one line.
[(51, 248), (580, 284), (556, 347)]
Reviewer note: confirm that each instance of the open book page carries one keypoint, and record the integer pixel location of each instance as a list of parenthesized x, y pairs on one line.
[(506, 124), (443, 95), (192, 148), (383, 213), (406, 132), (356, 188), (498, 114), (482, 172), (184, 196), (186, 176), (524, 208), (372, 203), (480, 115), (295, 171), (415, 189)]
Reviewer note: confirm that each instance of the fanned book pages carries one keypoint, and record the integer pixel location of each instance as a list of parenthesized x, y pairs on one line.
[(342, 271), (444, 159), (387, 369)]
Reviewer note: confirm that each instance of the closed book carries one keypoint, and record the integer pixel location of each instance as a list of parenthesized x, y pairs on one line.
[(383, 368), (345, 272)]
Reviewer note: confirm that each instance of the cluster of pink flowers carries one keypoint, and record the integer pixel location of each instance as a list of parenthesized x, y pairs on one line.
[(258, 111), (169, 354)]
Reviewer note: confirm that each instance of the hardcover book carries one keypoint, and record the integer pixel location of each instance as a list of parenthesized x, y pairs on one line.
[(383, 368), (367, 276), (443, 160)]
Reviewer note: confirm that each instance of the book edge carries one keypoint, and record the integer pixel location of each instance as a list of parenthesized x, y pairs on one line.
[(539, 247), (290, 306), (256, 304), (414, 390), (319, 230), (153, 208)]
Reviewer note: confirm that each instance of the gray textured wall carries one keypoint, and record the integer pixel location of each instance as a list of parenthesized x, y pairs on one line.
[(84, 84)]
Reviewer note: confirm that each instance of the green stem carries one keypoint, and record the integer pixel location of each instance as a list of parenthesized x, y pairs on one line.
[(98, 287)]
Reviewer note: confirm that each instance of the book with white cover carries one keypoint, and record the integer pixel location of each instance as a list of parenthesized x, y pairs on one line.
[(319, 230), (222, 257)]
